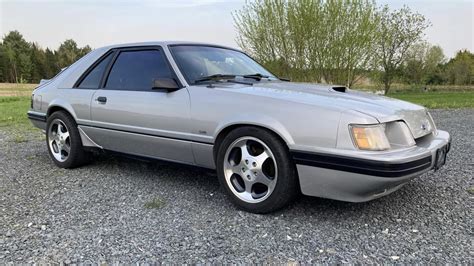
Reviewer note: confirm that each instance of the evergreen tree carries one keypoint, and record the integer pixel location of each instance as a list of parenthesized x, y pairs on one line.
[(21, 61), (38, 58)]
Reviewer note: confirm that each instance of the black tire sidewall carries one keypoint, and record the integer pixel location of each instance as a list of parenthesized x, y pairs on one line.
[(286, 187), (76, 156)]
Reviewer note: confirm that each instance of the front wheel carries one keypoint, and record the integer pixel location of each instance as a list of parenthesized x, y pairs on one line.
[(63, 140), (255, 168)]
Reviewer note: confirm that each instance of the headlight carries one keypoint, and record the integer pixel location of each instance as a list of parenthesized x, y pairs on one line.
[(370, 137)]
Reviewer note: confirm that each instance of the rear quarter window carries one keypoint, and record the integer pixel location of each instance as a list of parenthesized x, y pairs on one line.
[(93, 78)]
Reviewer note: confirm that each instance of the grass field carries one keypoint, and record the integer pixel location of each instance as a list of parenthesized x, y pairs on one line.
[(13, 111), (405, 88), (15, 101), (438, 100)]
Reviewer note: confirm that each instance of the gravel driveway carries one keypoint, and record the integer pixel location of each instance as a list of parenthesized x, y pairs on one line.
[(118, 209)]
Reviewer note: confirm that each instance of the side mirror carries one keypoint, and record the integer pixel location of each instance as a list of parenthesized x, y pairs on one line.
[(167, 84)]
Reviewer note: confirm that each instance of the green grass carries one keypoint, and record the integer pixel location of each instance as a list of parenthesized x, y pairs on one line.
[(19, 138), (13, 111), (470, 190), (156, 203), (14, 120), (402, 88), (438, 100)]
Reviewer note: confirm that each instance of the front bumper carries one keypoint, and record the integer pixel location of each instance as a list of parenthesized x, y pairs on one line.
[(348, 177)]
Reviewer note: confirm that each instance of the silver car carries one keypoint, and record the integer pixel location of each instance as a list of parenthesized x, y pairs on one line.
[(211, 106)]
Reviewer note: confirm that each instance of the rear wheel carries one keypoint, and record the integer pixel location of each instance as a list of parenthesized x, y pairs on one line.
[(63, 140), (256, 170)]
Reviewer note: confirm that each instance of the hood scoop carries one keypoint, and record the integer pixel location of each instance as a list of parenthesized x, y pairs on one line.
[(342, 89)]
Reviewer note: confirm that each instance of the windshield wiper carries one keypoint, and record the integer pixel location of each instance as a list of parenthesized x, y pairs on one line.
[(215, 77), (256, 76)]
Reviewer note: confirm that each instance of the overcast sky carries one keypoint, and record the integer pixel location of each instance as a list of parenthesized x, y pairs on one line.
[(99, 23)]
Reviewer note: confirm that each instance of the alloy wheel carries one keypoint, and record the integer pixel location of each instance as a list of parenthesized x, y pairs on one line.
[(250, 169), (59, 140)]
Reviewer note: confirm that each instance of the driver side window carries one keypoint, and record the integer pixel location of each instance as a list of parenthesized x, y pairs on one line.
[(137, 69)]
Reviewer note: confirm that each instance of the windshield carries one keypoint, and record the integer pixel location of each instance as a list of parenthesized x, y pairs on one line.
[(197, 62)]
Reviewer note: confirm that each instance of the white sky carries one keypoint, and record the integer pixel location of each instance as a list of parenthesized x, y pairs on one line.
[(103, 22)]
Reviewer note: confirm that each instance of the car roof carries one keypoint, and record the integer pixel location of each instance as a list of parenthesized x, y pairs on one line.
[(70, 75), (162, 43)]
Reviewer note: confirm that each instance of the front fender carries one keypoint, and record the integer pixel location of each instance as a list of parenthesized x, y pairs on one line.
[(259, 120)]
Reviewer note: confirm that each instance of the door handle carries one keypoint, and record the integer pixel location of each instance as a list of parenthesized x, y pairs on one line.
[(101, 99)]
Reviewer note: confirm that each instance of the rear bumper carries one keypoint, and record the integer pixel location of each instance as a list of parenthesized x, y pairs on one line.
[(370, 176), (37, 119)]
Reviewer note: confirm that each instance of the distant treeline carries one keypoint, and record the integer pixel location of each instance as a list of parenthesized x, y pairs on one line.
[(422, 64), (27, 62)]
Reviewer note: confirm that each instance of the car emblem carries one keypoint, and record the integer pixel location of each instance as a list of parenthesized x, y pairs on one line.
[(424, 126)]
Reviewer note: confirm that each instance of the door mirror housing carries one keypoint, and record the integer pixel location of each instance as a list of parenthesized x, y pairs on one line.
[(167, 84)]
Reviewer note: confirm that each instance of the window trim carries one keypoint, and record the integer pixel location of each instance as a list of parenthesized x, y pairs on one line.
[(92, 67), (117, 52), (212, 46)]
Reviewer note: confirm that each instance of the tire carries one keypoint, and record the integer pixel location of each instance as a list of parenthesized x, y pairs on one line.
[(241, 178), (66, 151)]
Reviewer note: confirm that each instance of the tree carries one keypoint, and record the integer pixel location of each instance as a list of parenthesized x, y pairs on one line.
[(422, 63), (310, 40), (38, 59), (460, 69), (9, 64), (434, 61), (67, 53), (21, 61), (15, 57), (52, 66), (84, 50), (398, 31), (3, 62)]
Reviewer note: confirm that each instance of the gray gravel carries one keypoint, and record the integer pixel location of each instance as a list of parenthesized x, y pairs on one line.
[(104, 213)]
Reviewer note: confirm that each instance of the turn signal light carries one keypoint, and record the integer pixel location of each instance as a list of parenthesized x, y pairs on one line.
[(370, 137)]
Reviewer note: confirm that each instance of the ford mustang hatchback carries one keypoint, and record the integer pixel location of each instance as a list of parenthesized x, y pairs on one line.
[(215, 107)]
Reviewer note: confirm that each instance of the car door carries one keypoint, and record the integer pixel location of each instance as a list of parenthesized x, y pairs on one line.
[(80, 94), (128, 116)]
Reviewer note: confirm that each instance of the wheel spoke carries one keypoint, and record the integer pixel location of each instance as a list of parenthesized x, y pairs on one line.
[(237, 169), (65, 135), (260, 159), (263, 179), (248, 185), (245, 151), (66, 148)]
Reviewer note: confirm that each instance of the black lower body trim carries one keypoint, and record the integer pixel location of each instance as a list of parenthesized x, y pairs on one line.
[(361, 166), (146, 134), (37, 117)]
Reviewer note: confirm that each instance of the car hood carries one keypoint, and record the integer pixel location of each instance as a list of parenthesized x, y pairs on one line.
[(382, 108)]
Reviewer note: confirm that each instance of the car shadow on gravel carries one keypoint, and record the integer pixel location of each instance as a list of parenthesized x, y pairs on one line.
[(183, 177)]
